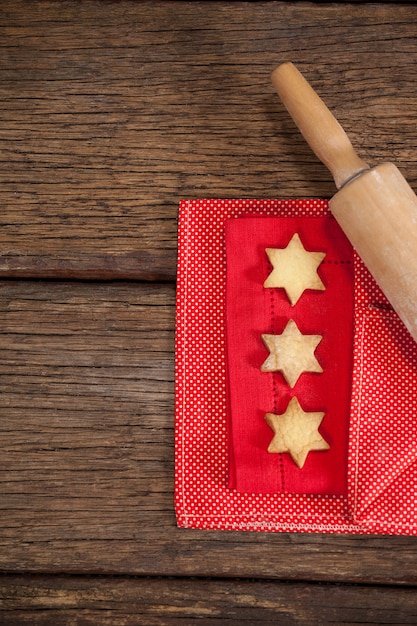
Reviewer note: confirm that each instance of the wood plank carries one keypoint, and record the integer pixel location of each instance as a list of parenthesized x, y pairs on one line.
[(86, 451), (118, 601), (111, 112)]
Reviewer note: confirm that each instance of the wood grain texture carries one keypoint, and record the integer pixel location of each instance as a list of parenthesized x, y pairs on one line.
[(118, 602), (112, 111), (86, 451)]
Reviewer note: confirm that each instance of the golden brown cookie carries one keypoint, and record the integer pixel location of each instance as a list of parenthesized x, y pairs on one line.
[(291, 353), (296, 432), (294, 269)]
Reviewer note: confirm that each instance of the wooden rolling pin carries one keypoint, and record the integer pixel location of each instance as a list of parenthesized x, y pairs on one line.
[(376, 207)]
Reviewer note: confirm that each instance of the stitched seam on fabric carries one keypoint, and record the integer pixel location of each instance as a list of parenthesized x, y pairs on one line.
[(296, 527), (282, 526), (274, 383)]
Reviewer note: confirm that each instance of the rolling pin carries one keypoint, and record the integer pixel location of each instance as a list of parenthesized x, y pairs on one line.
[(375, 207)]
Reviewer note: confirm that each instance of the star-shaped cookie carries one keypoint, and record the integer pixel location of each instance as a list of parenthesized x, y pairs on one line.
[(294, 269), (291, 353), (296, 432)]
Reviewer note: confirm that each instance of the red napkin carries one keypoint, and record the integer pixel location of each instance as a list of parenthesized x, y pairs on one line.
[(381, 470), (252, 310)]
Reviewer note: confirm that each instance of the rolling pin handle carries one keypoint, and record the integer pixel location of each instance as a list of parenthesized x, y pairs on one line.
[(317, 124)]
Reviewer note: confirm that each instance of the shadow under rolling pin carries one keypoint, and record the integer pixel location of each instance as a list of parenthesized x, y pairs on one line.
[(375, 207)]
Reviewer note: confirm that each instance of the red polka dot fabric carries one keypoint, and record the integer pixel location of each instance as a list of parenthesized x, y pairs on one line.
[(381, 469)]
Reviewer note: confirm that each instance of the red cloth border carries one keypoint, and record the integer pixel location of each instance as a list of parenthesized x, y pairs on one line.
[(382, 455)]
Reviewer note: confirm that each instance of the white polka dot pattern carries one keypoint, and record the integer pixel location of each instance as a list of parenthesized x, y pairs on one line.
[(382, 470), (383, 426)]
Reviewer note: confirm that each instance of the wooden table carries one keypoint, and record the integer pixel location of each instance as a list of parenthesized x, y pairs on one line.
[(111, 112)]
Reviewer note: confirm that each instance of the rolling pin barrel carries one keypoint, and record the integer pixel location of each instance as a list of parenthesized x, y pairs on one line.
[(376, 208), (378, 213)]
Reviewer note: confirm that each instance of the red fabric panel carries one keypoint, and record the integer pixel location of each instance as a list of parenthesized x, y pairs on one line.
[(252, 310)]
